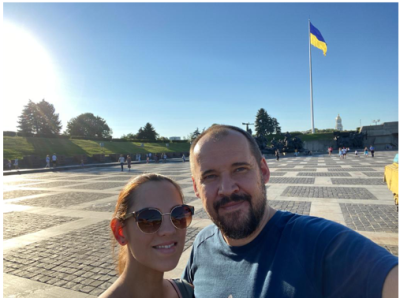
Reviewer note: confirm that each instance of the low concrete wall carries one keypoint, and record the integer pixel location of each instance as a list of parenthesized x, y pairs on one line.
[(319, 146), (382, 136)]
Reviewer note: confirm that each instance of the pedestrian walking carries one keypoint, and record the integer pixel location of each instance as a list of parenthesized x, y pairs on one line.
[(340, 153), (277, 154), (147, 158), (372, 149), (165, 157), (344, 151), (121, 161), (9, 164), (183, 157), (54, 159), (296, 152), (16, 164), (129, 160), (48, 161), (365, 151), (356, 153)]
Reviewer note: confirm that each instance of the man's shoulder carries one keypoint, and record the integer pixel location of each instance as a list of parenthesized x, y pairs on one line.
[(206, 234)]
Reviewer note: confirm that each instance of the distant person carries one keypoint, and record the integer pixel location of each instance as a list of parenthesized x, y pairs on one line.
[(330, 151), (372, 149), (296, 152), (54, 159), (340, 153), (277, 154), (47, 161), (129, 160), (82, 163), (121, 161), (356, 153), (16, 164), (365, 151), (147, 158), (183, 157), (165, 157), (9, 164), (344, 151)]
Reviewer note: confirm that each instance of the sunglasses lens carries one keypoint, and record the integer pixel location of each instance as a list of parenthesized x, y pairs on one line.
[(149, 221), (181, 217)]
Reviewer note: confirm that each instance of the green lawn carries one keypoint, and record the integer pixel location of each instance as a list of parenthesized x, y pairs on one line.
[(18, 147)]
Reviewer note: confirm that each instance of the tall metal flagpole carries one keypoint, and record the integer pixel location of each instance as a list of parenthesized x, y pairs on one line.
[(311, 93)]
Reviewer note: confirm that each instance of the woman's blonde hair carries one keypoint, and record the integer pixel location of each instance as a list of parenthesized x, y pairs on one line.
[(125, 202)]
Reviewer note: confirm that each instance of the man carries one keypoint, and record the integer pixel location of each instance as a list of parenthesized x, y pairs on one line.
[(372, 149), (256, 251), (54, 159)]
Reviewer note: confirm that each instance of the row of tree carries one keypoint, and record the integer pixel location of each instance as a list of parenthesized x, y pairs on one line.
[(41, 119)]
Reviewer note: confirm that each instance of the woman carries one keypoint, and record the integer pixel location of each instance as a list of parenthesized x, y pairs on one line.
[(129, 161), (121, 161), (149, 224), (277, 154)]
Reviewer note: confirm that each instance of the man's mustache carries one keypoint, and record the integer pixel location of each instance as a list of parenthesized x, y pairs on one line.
[(232, 198)]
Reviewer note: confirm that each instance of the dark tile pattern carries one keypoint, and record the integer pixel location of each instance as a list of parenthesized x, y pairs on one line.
[(291, 206), (55, 184), (350, 169), (278, 173), (357, 181), (71, 261), (101, 185), (297, 170), (373, 174), (372, 218), (328, 192), (291, 180), (324, 174), (61, 200), (22, 223)]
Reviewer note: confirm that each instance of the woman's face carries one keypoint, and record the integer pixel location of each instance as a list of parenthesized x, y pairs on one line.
[(161, 250)]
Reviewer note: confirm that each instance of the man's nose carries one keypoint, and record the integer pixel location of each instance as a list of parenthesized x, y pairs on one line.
[(227, 186)]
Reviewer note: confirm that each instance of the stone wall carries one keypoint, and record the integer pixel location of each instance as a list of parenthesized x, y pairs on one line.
[(381, 136)]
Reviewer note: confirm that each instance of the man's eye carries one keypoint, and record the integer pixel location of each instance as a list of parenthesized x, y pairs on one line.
[(241, 169), (209, 177)]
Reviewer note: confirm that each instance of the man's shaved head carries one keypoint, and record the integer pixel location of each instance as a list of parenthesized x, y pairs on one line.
[(218, 132)]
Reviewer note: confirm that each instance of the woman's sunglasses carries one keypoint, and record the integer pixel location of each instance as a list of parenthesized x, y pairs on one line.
[(149, 219)]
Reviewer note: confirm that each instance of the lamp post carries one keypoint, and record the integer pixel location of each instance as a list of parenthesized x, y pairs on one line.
[(376, 121)]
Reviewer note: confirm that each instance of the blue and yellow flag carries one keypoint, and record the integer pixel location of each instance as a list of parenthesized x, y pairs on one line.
[(317, 40)]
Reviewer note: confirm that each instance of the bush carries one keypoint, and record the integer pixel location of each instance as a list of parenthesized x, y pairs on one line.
[(9, 133)]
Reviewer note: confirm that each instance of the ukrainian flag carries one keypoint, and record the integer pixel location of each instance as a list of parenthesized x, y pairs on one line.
[(317, 40)]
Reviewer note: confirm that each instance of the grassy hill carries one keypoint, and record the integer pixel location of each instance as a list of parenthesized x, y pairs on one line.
[(18, 147)]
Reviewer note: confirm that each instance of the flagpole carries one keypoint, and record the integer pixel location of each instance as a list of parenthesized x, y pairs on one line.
[(311, 89)]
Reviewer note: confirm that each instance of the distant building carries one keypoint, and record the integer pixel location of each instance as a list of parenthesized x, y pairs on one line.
[(339, 125), (174, 138)]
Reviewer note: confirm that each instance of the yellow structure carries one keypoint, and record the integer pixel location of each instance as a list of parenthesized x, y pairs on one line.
[(391, 177)]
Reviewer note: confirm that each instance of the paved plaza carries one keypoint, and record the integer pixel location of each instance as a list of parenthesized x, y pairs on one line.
[(56, 237)]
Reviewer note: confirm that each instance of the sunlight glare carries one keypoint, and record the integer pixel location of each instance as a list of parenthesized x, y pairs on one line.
[(28, 71)]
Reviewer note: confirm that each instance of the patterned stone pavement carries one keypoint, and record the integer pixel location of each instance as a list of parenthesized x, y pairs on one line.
[(56, 237)]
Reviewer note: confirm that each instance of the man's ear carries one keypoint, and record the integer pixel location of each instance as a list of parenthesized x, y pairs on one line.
[(265, 170), (195, 187), (117, 229)]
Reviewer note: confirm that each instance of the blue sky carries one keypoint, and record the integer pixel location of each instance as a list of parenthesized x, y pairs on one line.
[(185, 65)]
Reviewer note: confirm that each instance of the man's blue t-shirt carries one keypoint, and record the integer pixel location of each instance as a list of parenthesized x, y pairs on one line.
[(293, 256)]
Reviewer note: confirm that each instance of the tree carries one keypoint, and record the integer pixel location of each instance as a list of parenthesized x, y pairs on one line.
[(263, 124), (89, 125), (147, 133), (39, 118), (275, 124), (195, 134)]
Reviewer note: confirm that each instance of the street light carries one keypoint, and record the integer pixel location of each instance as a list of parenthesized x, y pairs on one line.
[(376, 121)]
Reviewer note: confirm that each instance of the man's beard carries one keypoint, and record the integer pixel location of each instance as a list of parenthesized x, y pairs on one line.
[(231, 225)]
